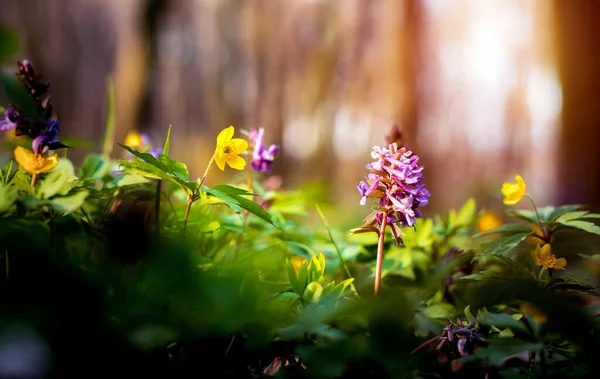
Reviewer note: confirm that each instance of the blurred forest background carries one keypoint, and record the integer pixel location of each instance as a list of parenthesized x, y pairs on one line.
[(482, 89)]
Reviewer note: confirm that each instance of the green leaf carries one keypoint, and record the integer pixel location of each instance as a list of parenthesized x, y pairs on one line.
[(572, 216), (504, 244), (468, 314), (551, 213), (234, 201), (439, 311), (156, 171), (582, 225), (8, 196), (501, 348), (466, 214), (288, 298), (54, 183), (297, 284), (167, 144), (501, 320), (317, 268), (485, 274), (127, 180), (594, 258), (313, 292), (94, 167), (9, 43), (523, 214), (68, 204), (342, 289), (507, 229)]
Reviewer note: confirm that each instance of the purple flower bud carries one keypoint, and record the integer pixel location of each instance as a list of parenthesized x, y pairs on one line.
[(262, 158)]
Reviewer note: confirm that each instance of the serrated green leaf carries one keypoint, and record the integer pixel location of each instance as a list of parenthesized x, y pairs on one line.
[(504, 244), (587, 226)]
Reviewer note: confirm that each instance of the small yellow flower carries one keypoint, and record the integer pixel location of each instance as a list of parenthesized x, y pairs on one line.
[(228, 149), (488, 220), (514, 192), (534, 311), (133, 139), (34, 163), (543, 257)]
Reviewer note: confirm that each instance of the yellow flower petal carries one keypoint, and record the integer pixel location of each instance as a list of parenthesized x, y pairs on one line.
[(34, 164), (24, 157), (220, 160), (225, 136), (535, 312), (537, 256), (514, 192), (238, 145), (560, 264), (133, 139), (49, 163), (489, 220), (237, 163)]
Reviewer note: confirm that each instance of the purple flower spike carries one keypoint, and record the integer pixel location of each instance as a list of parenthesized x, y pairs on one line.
[(11, 119), (47, 140), (395, 179), (262, 158)]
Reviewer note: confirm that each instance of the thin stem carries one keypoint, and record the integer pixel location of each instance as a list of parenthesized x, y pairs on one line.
[(240, 239), (190, 201), (542, 228), (212, 159), (380, 243), (540, 276), (157, 207), (33, 180)]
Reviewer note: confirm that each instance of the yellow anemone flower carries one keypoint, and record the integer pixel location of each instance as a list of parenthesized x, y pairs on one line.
[(514, 192), (534, 311), (228, 149), (34, 163), (133, 139), (488, 220), (543, 257)]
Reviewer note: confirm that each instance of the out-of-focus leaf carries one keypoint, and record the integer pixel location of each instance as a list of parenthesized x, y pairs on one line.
[(504, 244), (94, 167), (507, 229), (8, 196), (582, 225), (313, 292), (9, 43), (71, 203)]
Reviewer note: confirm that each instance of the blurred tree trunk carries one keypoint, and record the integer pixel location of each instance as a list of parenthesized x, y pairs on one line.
[(578, 47)]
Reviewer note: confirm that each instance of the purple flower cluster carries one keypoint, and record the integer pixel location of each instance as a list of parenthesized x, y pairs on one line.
[(37, 124), (262, 158), (396, 180)]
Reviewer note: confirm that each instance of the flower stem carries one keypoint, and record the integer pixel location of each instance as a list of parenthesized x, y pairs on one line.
[(212, 159), (33, 180), (380, 243), (240, 239), (540, 276), (542, 228), (190, 201)]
